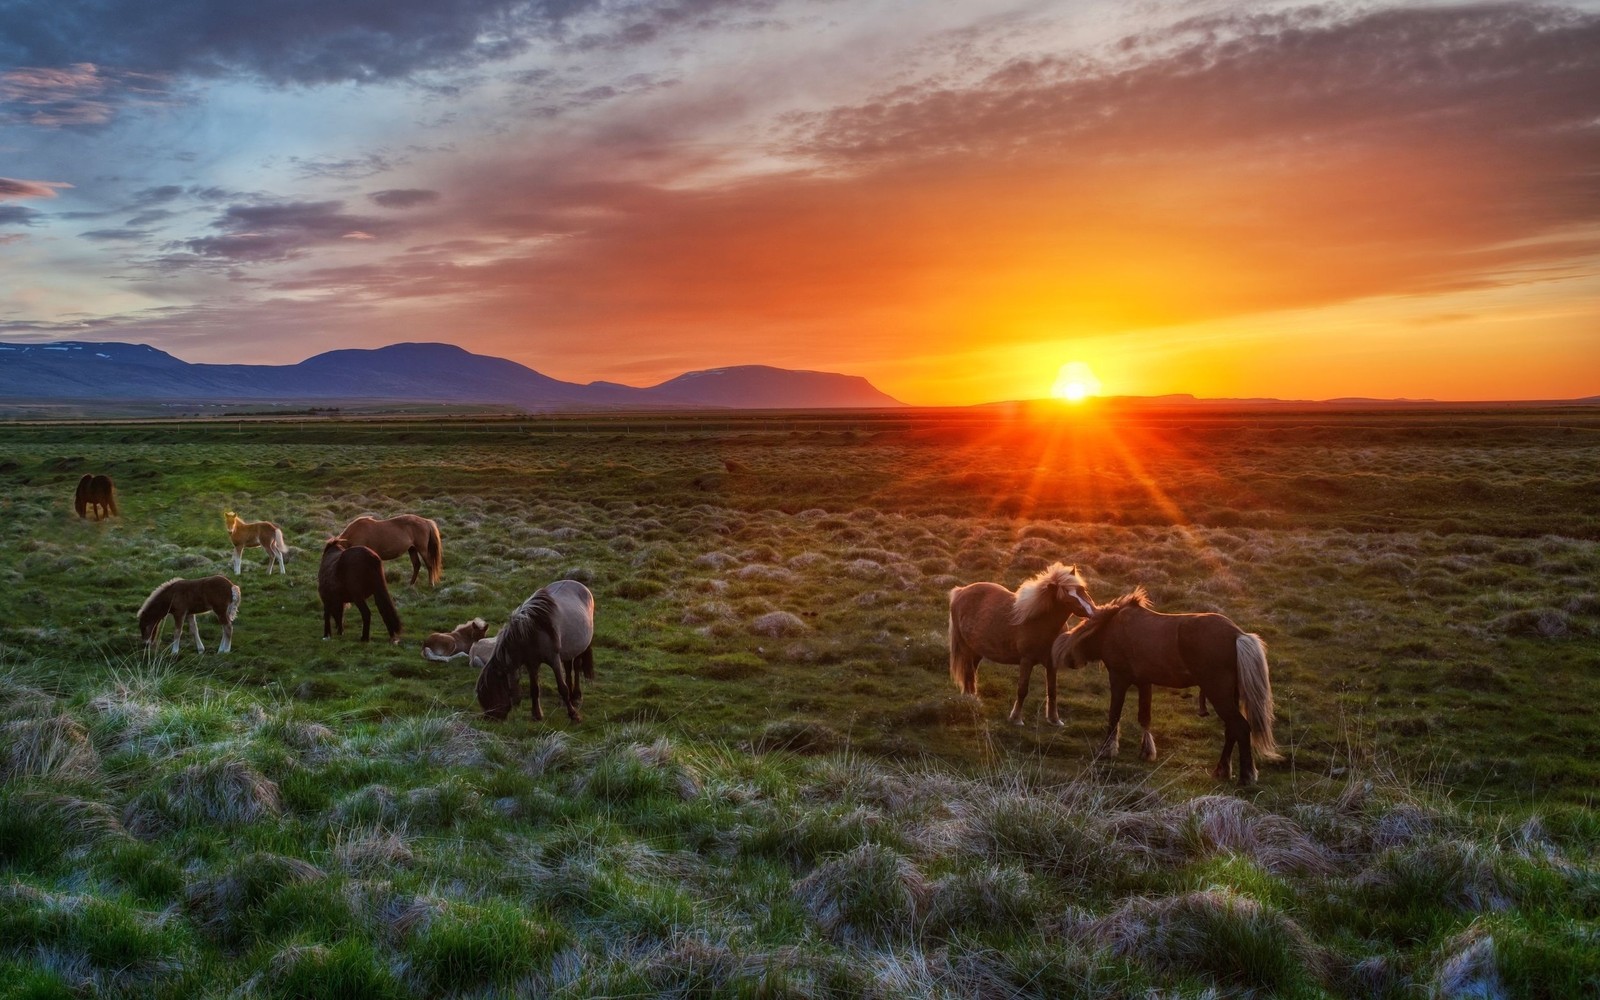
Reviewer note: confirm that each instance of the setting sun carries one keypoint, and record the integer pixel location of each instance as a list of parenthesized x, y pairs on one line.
[(1075, 383)]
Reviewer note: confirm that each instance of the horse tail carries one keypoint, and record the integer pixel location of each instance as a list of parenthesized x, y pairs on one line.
[(435, 553), (962, 665), (233, 602), (276, 546), (385, 603), (1255, 688)]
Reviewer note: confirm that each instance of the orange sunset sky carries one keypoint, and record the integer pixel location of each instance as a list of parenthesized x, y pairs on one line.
[(952, 199)]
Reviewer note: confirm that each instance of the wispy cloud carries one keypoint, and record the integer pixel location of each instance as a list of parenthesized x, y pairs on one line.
[(81, 95)]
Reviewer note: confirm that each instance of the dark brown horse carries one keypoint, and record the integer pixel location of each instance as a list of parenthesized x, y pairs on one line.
[(350, 574), (989, 622), (188, 600), (400, 535), (1141, 646), (97, 493), (554, 626)]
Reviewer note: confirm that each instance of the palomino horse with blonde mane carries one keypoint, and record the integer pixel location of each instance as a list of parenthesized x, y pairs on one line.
[(989, 622), (1141, 646), (249, 534), (98, 493), (188, 600), (398, 535)]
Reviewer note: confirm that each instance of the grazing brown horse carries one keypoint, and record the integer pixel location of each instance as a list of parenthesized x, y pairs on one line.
[(249, 534), (398, 535), (554, 626), (95, 492), (350, 574), (1141, 646), (989, 622), (189, 599), (442, 646)]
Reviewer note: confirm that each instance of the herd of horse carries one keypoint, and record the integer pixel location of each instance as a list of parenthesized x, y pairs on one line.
[(1029, 627)]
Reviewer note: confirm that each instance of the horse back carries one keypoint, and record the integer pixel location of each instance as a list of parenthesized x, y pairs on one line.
[(1208, 641)]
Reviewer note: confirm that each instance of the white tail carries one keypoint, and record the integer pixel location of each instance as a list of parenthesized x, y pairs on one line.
[(233, 603), (1255, 690)]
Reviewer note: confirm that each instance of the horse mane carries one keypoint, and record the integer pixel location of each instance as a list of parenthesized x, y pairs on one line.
[(1103, 615), (148, 607), (1034, 595), (526, 623)]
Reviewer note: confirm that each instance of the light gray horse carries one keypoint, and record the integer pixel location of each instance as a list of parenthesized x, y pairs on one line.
[(554, 626)]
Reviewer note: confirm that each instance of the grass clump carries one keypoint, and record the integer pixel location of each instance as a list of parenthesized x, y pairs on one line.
[(467, 946), (870, 895)]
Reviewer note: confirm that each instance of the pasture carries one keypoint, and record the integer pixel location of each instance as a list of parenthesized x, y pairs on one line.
[(776, 789)]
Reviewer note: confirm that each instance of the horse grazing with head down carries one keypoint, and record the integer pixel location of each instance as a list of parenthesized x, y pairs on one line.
[(350, 574), (1141, 646), (188, 600), (97, 493), (399, 535), (989, 622), (554, 626), (441, 646), (249, 534)]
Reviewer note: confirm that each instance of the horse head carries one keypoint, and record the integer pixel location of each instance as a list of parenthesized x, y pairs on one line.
[(338, 543)]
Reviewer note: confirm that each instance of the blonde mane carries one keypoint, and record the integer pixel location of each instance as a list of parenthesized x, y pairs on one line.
[(148, 601), (1034, 597)]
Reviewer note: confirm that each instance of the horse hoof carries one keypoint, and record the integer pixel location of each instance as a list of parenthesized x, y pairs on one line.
[(1055, 722), (1220, 773), (1246, 780), (1016, 721)]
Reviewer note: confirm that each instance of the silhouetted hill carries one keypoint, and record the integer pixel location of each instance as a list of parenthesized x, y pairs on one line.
[(413, 372)]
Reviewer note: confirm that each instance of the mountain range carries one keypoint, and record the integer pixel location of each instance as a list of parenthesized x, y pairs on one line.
[(440, 373)]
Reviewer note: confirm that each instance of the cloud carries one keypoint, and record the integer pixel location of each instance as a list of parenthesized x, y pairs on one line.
[(115, 235), (18, 215), (270, 232), (316, 42), (404, 197), (80, 95), (15, 188), (347, 168)]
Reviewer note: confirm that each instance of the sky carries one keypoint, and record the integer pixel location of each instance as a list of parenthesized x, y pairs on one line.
[(953, 198)]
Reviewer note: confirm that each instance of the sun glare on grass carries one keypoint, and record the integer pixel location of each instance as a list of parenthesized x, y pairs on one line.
[(1075, 383)]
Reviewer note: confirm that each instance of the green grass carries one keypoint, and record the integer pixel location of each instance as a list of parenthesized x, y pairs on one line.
[(776, 792)]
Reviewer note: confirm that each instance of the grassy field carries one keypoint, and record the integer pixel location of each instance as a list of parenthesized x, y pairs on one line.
[(776, 790)]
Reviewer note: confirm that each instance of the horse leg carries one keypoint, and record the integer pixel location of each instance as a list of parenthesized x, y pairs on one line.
[(1119, 691), (1200, 703), (416, 564), (1147, 744), (1247, 762), (238, 557), (1024, 672), (227, 632), (338, 617), (1229, 714), (536, 710), (1051, 714), (565, 689), (177, 631), (194, 630), (366, 621), (574, 685)]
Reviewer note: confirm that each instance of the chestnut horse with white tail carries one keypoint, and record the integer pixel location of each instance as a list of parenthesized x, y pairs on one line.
[(396, 536), (249, 534), (1141, 646), (441, 646), (188, 600), (989, 622)]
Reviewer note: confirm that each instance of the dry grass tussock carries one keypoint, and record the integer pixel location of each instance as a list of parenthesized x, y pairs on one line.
[(443, 741), (221, 903), (1468, 968), (1211, 824), (870, 895), (223, 791), (1216, 931), (374, 850), (56, 747), (778, 624)]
